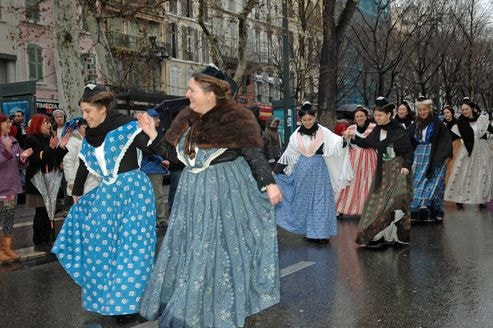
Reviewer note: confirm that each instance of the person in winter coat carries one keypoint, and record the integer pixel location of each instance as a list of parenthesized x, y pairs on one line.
[(11, 157), (273, 147), (71, 159)]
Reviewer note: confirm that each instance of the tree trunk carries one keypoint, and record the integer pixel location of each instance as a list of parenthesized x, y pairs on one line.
[(332, 35), (68, 66)]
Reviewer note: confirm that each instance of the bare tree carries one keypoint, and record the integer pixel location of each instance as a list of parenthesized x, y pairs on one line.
[(334, 29), (214, 43)]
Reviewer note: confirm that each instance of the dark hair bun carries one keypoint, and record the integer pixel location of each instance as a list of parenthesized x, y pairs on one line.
[(383, 105)]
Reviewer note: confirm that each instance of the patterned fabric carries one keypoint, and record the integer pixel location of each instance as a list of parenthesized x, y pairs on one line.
[(218, 262), (108, 239), (394, 195), (427, 192), (308, 205), (471, 178), (363, 161), (7, 209)]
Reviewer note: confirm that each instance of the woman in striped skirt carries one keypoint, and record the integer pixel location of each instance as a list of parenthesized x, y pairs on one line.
[(363, 161)]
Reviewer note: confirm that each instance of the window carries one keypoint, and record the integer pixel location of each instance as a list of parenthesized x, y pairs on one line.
[(205, 48), (189, 44), (35, 62), (3, 72), (172, 6), (32, 11), (174, 81), (171, 38), (187, 8), (89, 64)]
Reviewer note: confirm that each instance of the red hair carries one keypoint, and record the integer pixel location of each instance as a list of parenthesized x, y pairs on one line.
[(3, 118), (36, 122)]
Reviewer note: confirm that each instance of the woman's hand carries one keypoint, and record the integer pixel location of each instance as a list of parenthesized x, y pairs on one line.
[(347, 134), (147, 125), (75, 198), (25, 154), (404, 171), (53, 142), (64, 140), (274, 194)]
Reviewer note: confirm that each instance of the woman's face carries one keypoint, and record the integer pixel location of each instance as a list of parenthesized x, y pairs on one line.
[(466, 110), (46, 127), (360, 118), (94, 115), (308, 121), (423, 111), (5, 127), (381, 118), (402, 111), (447, 114), (200, 101)]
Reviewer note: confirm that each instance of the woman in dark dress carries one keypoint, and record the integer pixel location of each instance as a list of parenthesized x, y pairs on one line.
[(386, 215), (48, 152)]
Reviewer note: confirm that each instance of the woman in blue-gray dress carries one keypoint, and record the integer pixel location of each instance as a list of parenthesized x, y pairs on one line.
[(107, 241), (315, 168), (218, 262)]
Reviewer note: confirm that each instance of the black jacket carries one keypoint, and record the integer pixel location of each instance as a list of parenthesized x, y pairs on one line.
[(397, 137), (43, 158)]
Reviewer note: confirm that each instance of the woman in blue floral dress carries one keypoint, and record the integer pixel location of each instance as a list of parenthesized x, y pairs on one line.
[(218, 262), (107, 242)]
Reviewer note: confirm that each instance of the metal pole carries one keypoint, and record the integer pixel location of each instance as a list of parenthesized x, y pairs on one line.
[(286, 74)]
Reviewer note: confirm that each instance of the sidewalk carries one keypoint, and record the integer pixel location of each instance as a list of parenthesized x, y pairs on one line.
[(23, 232)]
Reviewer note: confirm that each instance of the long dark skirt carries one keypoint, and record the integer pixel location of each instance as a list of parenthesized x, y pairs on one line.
[(388, 207)]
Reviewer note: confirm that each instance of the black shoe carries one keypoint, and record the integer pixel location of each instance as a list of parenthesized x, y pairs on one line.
[(482, 206), (459, 206), (128, 318), (376, 243), (423, 213), (44, 247), (317, 241)]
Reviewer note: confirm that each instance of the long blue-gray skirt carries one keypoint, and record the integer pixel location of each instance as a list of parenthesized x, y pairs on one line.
[(308, 205), (218, 262)]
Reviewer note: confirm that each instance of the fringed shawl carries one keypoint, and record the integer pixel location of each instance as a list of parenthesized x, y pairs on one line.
[(336, 157)]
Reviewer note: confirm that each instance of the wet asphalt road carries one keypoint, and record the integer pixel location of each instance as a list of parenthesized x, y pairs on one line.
[(443, 279)]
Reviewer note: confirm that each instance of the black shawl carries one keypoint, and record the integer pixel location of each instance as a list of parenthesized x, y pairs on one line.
[(397, 137), (441, 144), (114, 119), (466, 131)]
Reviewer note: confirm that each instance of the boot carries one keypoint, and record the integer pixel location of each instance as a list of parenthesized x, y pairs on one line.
[(4, 258), (6, 247)]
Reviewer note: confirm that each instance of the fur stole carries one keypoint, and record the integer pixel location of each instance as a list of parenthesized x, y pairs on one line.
[(225, 126)]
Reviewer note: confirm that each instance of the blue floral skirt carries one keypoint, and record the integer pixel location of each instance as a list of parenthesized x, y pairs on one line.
[(107, 244)]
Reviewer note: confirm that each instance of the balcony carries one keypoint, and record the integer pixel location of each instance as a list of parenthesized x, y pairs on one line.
[(127, 42)]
